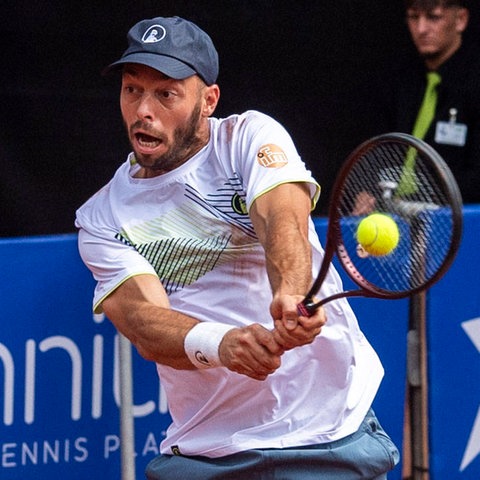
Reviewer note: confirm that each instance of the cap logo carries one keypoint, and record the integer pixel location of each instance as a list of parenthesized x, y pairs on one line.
[(154, 34)]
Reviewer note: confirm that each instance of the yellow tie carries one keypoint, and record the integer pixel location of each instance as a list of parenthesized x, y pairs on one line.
[(422, 123), (427, 109)]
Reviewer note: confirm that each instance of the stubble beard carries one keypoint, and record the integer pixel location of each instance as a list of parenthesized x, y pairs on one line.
[(186, 143)]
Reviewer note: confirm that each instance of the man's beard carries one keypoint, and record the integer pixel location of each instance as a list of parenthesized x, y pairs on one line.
[(186, 143)]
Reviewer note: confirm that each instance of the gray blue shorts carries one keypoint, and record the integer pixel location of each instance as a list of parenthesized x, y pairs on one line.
[(368, 453)]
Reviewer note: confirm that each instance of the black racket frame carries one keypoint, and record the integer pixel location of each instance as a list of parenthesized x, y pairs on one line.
[(334, 243)]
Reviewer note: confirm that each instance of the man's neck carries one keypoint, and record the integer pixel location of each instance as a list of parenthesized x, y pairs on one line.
[(435, 61)]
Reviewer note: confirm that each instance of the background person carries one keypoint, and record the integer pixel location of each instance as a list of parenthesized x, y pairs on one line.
[(437, 30)]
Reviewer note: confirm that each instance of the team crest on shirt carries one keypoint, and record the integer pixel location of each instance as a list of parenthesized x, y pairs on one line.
[(271, 156), (239, 205)]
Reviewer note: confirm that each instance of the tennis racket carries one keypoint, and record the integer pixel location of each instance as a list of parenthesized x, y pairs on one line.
[(404, 178)]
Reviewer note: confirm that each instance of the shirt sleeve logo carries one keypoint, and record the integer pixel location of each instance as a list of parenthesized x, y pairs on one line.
[(271, 156)]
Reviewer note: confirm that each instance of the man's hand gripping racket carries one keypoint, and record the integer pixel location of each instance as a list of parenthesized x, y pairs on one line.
[(395, 220)]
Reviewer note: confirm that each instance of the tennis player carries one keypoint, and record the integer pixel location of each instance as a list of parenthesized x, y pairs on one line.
[(202, 245)]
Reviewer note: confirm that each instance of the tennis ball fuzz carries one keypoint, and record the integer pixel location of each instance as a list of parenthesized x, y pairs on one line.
[(378, 234)]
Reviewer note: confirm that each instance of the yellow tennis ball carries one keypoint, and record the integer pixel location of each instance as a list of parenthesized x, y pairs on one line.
[(378, 234)]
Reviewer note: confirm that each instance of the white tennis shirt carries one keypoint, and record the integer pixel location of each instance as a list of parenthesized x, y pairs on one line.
[(191, 228)]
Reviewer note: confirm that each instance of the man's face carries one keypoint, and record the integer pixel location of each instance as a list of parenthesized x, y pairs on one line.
[(437, 33), (163, 117)]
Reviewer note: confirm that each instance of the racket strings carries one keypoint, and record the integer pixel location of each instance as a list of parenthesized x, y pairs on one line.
[(399, 181)]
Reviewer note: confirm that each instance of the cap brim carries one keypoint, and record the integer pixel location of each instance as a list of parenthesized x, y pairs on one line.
[(171, 67)]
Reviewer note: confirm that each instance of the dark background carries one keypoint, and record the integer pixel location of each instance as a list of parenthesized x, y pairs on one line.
[(313, 65)]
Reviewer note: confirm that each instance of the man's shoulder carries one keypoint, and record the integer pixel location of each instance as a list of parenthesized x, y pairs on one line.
[(244, 125), (98, 203), (462, 71), (240, 120), (464, 61)]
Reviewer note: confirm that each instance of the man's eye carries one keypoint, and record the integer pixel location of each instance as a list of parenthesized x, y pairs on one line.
[(412, 14)]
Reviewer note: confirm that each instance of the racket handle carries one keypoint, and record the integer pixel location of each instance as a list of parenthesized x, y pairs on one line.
[(307, 307)]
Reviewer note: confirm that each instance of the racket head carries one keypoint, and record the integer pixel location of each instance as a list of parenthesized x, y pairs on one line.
[(404, 178)]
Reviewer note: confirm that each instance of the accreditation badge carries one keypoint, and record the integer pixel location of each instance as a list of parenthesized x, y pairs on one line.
[(451, 133)]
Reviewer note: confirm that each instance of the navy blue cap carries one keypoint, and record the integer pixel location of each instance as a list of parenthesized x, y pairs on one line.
[(174, 46)]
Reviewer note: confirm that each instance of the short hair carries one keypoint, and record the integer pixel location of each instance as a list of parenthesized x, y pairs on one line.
[(431, 4)]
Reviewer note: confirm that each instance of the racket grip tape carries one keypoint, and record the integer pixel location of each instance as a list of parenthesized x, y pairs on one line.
[(306, 308)]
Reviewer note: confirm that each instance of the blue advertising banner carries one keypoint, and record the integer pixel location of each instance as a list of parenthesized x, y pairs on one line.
[(454, 362), (59, 391)]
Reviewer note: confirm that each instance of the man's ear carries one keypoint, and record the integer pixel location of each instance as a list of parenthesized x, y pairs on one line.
[(211, 95), (462, 20)]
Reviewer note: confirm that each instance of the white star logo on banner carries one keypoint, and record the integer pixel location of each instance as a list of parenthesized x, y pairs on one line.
[(472, 329)]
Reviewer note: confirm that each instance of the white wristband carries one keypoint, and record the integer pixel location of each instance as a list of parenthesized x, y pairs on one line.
[(202, 342)]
